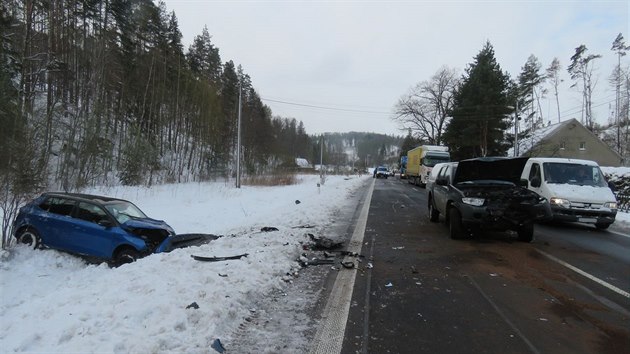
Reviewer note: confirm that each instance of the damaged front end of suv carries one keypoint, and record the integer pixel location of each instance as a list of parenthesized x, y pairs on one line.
[(488, 194)]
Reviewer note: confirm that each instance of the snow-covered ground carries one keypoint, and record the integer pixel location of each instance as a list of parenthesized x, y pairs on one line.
[(56, 303)]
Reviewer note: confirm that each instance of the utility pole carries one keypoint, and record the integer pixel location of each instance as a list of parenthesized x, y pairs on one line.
[(321, 159), (516, 130), (238, 141)]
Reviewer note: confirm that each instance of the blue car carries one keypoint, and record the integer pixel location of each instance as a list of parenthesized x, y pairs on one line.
[(98, 227)]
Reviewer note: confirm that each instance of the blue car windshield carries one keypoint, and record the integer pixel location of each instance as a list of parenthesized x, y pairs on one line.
[(124, 211)]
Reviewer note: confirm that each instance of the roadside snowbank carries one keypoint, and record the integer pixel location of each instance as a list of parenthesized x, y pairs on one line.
[(54, 302)]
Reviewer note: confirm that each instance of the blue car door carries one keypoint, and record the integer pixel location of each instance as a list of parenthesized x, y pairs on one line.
[(87, 236), (53, 220)]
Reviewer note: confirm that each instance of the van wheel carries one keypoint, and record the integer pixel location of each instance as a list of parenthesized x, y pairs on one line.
[(526, 233), (455, 228), (434, 214)]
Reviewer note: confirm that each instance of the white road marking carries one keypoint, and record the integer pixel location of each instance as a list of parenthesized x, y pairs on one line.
[(618, 233), (330, 334), (496, 308), (585, 274)]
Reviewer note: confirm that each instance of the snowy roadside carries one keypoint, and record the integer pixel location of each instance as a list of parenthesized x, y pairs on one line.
[(54, 302)]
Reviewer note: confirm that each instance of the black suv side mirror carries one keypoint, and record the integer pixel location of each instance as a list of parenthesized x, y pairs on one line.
[(441, 181), (523, 183), (535, 182)]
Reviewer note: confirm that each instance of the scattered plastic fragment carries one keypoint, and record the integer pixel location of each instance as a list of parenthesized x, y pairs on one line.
[(268, 229), (543, 319), (347, 264), (297, 202), (369, 265), (217, 345), (193, 306), (389, 285), (494, 274), (398, 248), (218, 259), (323, 243)]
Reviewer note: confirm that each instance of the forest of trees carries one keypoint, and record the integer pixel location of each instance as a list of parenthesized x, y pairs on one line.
[(103, 92), (475, 114)]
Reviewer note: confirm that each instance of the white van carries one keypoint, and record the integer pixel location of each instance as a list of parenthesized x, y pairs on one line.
[(576, 189)]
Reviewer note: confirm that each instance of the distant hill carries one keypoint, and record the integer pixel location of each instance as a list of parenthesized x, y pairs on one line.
[(357, 149)]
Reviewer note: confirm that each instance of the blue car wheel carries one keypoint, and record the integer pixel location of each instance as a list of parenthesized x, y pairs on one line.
[(125, 255), (30, 238)]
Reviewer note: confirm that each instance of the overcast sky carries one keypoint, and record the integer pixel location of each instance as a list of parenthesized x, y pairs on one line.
[(355, 59)]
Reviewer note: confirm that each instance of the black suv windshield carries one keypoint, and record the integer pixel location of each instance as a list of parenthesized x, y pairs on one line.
[(571, 173)]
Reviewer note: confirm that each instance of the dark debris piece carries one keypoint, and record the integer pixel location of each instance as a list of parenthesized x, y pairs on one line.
[(193, 306), (217, 345), (187, 240), (324, 243), (218, 259), (317, 261), (268, 229)]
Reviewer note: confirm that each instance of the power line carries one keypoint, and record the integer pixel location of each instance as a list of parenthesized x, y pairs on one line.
[(323, 107)]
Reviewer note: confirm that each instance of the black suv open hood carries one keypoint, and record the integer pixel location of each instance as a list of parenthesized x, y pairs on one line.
[(490, 168)]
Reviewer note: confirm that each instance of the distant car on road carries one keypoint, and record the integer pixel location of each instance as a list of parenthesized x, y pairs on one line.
[(381, 172), (486, 194), (104, 228)]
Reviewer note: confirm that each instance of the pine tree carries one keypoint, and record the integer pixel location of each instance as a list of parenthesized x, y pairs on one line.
[(529, 92), (481, 108), (204, 59), (409, 143)]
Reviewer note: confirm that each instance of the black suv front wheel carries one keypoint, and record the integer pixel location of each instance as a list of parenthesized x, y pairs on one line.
[(455, 228), (526, 233), (434, 214)]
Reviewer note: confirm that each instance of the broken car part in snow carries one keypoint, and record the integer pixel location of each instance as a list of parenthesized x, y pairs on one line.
[(347, 264), (193, 306), (218, 259), (188, 240), (218, 346), (324, 243)]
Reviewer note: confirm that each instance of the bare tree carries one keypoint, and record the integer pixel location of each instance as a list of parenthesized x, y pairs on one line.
[(553, 74), (425, 109), (620, 47)]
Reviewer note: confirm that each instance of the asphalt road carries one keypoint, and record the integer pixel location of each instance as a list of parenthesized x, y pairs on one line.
[(418, 291)]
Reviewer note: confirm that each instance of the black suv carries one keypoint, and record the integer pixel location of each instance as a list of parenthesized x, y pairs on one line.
[(486, 194)]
